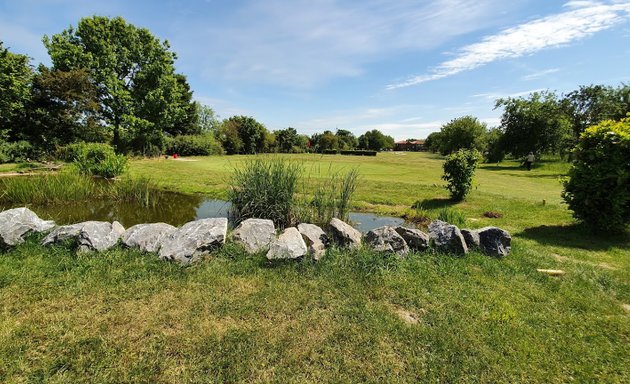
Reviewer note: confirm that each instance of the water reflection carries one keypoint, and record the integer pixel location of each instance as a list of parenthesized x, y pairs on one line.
[(172, 208)]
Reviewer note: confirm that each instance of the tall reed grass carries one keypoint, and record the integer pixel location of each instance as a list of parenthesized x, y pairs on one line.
[(73, 186), (269, 189)]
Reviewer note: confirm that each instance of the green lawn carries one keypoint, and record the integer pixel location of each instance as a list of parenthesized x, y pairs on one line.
[(353, 317)]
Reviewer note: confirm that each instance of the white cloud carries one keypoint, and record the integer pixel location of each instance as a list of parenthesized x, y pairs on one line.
[(304, 43), (499, 95), (583, 19), (539, 74)]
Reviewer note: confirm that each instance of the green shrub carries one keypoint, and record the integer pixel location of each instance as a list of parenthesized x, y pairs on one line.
[(598, 188), (17, 152), (459, 169), (332, 197), (193, 145), (265, 189), (96, 159)]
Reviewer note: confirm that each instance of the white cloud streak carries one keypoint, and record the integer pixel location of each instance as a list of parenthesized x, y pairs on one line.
[(583, 19)]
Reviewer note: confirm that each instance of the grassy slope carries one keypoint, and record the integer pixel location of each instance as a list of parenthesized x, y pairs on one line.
[(123, 316)]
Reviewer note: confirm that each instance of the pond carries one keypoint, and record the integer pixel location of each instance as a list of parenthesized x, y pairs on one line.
[(173, 208)]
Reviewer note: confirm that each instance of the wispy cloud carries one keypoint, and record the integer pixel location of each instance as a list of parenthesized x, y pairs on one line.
[(500, 95), (539, 74), (582, 19)]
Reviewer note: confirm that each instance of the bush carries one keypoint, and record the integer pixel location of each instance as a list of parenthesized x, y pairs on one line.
[(94, 159), (598, 188), (452, 216), (265, 189), (459, 170), (193, 145), (17, 152)]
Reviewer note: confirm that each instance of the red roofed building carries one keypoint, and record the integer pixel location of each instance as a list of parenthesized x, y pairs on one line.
[(410, 145)]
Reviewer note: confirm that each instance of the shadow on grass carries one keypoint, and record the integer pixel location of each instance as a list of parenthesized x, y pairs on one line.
[(440, 202), (576, 236)]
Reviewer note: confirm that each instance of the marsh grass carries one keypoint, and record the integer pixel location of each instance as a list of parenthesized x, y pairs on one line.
[(452, 216), (71, 186), (331, 196), (265, 188)]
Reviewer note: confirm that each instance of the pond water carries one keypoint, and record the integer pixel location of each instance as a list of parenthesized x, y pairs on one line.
[(173, 208)]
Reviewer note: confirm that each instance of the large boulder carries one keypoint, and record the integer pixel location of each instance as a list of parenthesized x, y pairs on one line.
[(194, 240), (494, 241), (315, 238), (63, 233), (289, 245), (99, 236), (415, 238), (471, 237), (255, 234), (447, 238), (344, 235), (17, 223), (386, 239), (147, 237)]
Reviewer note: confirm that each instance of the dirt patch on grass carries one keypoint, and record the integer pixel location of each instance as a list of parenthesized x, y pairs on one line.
[(407, 316), (492, 215)]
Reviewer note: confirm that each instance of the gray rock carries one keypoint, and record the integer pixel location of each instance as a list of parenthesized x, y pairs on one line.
[(17, 223), (63, 233), (415, 238), (447, 238), (147, 237), (315, 238), (289, 245), (471, 237), (99, 236), (386, 239), (255, 234), (344, 235), (194, 240), (494, 241)]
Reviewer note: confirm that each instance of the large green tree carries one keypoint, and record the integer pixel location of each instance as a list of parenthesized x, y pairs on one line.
[(243, 134), (465, 132), (286, 139), (536, 123), (375, 140), (347, 140), (15, 82), (591, 104), (140, 95)]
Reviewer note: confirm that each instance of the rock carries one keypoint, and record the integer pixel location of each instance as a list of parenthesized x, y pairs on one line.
[(17, 223), (194, 240), (255, 234), (447, 238), (494, 241), (63, 233), (386, 239), (147, 237), (315, 238), (344, 235), (289, 245), (99, 235), (416, 239), (471, 237)]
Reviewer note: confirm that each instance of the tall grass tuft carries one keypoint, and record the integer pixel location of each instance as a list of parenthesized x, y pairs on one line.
[(332, 197), (265, 189), (452, 216), (73, 186), (49, 189)]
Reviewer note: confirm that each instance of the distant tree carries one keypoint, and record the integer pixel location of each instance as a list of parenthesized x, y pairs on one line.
[(208, 120), (465, 132), (134, 73), (250, 133), (326, 141), (15, 83), (494, 151), (592, 104), (533, 124), (433, 142), (303, 142), (286, 139), (63, 109), (347, 140), (375, 140)]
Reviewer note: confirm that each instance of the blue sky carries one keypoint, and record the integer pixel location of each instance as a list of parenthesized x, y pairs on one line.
[(404, 67)]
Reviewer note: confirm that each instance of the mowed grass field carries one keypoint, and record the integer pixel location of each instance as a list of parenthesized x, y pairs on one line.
[(358, 316)]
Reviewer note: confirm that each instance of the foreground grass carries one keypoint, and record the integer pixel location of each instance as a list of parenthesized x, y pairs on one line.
[(356, 316)]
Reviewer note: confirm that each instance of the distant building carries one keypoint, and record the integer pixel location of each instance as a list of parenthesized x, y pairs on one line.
[(410, 145)]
